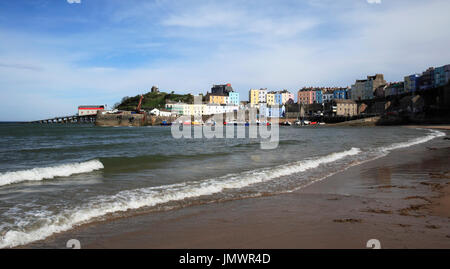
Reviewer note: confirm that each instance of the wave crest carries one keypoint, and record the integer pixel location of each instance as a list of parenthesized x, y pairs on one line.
[(41, 173)]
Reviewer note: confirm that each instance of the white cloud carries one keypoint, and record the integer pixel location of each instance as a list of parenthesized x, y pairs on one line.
[(374, 1), (74, 1), (239, 21)]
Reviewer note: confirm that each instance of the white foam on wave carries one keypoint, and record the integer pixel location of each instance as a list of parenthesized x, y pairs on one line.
[(147, 197), (434, 134), (41, 173)]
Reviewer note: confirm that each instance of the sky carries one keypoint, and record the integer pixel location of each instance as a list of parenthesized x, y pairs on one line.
[(58, 54)]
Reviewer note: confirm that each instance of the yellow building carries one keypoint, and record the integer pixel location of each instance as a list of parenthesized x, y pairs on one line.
[(270, 99), (217, 99), (253, 97)]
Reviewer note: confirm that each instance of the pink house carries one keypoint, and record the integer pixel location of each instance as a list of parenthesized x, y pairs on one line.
[(306, 96)]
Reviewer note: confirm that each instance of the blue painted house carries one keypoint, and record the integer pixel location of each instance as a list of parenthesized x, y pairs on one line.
[(319, 97), (340, 94), (278, 99), (234, 98)]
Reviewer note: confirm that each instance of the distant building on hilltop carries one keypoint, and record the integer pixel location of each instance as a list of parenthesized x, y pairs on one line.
[(154, 89)]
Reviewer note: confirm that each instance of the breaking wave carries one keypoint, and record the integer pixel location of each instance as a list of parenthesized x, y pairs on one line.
[(41, 173), (147, 197), (434, 134)]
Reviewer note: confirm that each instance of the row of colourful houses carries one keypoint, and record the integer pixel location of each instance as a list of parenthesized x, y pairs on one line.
[(223, 98), (272, 98), (376, 86), (311, 95), (183, 109)]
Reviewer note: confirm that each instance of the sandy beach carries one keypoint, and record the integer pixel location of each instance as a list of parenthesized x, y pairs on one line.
[(402, 200), (436, 127)]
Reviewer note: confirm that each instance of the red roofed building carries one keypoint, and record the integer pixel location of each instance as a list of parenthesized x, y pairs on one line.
[(89, 110)]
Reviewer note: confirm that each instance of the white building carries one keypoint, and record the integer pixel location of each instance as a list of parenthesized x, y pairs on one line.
[(286, 96), (200, 109), (89, 110), (161, 113), (262, 96)]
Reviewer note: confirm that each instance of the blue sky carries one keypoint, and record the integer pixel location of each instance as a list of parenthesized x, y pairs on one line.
[(56, 55)]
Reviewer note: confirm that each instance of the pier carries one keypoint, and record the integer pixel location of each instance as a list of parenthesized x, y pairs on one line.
[(69, 119)]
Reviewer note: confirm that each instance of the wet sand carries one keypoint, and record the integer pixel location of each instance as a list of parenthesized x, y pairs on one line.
[(403, 200), (437, 127)]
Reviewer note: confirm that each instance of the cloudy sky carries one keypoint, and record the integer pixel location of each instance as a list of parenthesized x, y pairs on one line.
[(58, 54)]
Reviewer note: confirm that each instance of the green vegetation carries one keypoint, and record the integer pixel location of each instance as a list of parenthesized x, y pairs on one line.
[(153, 100)]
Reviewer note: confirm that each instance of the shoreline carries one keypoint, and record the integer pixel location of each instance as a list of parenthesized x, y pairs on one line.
[(435, 127), (401, 199)]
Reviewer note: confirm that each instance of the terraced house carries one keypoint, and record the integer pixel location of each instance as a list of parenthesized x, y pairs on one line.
[(364, 89), (306, 96), (253, 97), (346, 108)]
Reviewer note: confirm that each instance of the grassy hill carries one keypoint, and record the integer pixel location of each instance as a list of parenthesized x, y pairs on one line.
[(153, 100)]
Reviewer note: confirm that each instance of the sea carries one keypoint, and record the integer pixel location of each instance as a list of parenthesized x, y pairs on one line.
[(56, 177)]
